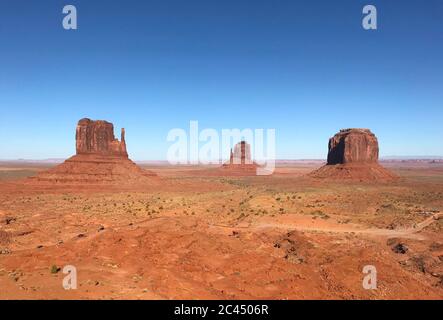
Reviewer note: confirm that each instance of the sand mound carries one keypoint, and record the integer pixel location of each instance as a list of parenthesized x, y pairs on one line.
[(93, 169), (354, 172), (238, 169)]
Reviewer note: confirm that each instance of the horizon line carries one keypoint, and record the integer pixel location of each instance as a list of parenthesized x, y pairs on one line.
[(417, 157)]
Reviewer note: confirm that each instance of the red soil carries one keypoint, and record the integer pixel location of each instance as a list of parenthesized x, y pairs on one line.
[(354, 172)]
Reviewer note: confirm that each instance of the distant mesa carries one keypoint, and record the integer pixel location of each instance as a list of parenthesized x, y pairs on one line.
[(240, 160), (353, 155), (241, 154), (100, 159)]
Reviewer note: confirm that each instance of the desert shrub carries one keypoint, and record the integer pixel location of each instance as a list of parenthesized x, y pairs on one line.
[(54, 269)]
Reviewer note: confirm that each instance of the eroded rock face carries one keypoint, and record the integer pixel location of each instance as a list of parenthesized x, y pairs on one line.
[(97, 137), (353, 146), (241, 154)]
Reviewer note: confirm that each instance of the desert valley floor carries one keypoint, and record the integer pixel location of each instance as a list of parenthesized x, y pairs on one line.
[(190, 234)]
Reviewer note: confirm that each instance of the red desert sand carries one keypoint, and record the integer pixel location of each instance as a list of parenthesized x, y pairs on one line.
[(193, 235)]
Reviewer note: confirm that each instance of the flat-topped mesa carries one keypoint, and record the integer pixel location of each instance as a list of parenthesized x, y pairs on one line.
[(241, 154), (353, 155), (97, 137), (353, 145)]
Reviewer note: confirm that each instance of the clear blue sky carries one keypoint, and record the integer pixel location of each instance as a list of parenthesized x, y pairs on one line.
[(305, 68)]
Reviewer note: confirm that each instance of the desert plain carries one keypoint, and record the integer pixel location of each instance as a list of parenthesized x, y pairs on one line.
[(193, 234)]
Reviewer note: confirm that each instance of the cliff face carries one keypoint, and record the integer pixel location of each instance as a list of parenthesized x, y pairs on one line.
[(97, 137), (353, 145)]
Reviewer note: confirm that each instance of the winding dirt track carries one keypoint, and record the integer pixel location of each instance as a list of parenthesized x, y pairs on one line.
[(410, 233)]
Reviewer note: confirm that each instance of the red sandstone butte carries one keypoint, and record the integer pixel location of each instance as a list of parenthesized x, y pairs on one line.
[(240, 160), (241, 154), (97, 137), (353, 145), (100, 159), (353, 155)]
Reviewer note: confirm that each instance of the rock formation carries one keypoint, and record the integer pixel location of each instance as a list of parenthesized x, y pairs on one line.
[(353, 155), (97, 137), (241, 154), (240, 160), (353, 145), (100, 159)]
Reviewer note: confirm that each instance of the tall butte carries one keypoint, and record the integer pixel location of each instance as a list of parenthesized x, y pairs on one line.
[(100, 159), (240, 161), (97, 137), (353, 155)]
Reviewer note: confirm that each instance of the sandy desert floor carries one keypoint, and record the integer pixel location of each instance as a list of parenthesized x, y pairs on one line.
[(194, 235)]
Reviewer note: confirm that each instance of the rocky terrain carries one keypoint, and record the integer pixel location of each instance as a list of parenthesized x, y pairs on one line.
[(197, 236)]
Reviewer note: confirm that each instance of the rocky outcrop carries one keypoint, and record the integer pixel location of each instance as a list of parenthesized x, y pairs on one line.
[(97, 137), (240, 161), (353, 145), (241, 154), (353, 155), (100, 159)]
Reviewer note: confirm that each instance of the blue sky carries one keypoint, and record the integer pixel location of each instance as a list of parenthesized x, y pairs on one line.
[(305, 68)]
